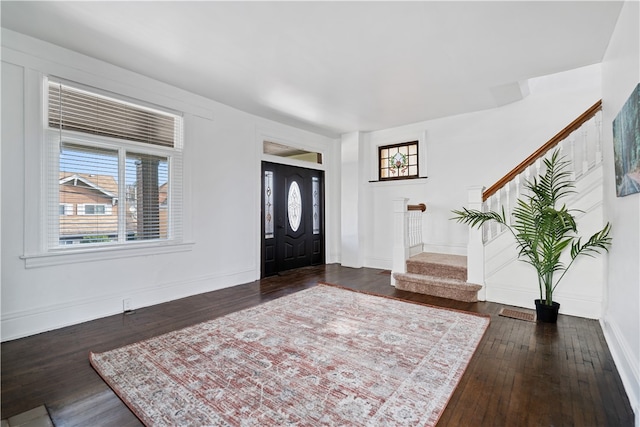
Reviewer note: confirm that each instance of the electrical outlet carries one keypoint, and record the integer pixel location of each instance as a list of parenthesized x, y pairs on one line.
[(126, 304)]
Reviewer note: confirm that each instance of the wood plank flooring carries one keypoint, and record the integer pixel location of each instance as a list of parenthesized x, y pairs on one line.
[(523, 374)]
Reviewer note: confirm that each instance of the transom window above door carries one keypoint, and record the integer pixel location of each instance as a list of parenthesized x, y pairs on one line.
[(398, 161), (280, 150)]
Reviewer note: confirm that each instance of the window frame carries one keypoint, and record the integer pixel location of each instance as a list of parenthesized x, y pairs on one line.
[(123, 148), (415, 143), (66, 209), (106, 209), (55, 138)]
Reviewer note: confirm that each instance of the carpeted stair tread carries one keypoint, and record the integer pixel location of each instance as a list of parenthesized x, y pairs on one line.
[(442, 281), (442, 259), (439, 265), (440, 275), (437, 286)]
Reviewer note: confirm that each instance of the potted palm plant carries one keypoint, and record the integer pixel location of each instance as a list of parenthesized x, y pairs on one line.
[(544, 229)]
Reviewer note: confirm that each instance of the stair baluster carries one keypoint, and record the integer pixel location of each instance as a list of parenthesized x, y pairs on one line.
[(598, 123), (585, 152)]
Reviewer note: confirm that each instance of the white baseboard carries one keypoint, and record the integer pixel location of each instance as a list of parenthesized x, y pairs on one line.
[(19, 324), (383, 263), (625, 362), (570, 305)]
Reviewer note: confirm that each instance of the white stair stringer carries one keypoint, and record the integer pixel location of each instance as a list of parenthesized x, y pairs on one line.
[(509, 280)]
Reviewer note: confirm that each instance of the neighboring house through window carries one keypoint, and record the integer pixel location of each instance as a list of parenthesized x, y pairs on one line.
[(118, 163)]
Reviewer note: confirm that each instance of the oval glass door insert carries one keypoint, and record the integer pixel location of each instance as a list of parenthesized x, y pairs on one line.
[(294, 206)]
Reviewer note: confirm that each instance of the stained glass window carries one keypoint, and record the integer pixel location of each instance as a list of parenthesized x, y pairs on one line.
[(399, 161)]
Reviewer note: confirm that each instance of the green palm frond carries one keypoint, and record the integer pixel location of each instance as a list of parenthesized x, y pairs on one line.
[(476, 218), (600, 241)]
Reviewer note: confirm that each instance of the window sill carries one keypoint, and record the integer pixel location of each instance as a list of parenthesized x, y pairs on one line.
[(73, 256), (409, 181)]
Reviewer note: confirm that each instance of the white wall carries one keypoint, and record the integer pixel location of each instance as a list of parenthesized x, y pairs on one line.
[(222, 198), (352, 200), (621, 322), (468, 150)]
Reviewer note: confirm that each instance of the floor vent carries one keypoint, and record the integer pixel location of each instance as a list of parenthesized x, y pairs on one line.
[(518, 314)]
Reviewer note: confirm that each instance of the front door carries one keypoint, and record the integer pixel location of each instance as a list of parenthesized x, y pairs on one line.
[(292, 218)]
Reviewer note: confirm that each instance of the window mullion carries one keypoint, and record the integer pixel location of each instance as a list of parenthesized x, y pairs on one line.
[(169, 201), (122, 191)]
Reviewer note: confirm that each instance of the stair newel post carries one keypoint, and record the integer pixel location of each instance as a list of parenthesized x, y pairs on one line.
[(400, 238), (475, 247)]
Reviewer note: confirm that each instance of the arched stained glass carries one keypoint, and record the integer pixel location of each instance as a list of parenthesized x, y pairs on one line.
[(294, 206)]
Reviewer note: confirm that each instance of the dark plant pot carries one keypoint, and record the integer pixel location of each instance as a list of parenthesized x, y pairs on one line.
[(547, 313)]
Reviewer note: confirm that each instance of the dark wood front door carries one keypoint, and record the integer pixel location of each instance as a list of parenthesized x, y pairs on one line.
[(292, 217)]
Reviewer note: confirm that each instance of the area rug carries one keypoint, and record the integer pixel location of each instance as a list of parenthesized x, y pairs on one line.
[(528, 316), (321, 356)]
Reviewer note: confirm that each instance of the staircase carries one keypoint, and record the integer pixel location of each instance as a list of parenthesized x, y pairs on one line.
[(438, 275), (491, 250), (492, 260)]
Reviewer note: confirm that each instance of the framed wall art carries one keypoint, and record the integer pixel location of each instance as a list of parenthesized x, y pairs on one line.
[(626, 146)]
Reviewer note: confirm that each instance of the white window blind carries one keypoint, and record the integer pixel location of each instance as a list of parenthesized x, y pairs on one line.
[(78, 110), (119, 164)]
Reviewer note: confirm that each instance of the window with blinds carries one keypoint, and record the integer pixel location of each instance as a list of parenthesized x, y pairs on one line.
[(115, 171)]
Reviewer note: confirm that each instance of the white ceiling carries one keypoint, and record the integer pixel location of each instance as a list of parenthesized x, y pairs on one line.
[(333, 67)]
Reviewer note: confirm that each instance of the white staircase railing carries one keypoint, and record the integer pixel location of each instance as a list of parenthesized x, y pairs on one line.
[(580, 143), (407, 234)]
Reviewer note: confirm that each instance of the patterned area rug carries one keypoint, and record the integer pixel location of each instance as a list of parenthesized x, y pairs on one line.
[(321, 356)]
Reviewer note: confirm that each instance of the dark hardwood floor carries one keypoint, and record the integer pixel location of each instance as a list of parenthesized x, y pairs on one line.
[(523, 374)]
